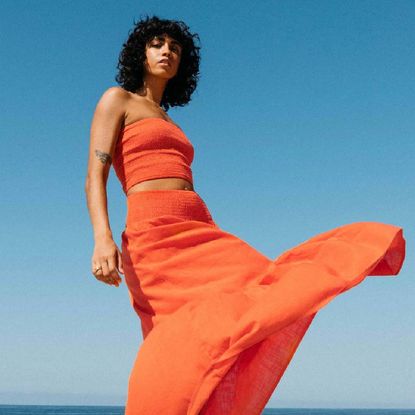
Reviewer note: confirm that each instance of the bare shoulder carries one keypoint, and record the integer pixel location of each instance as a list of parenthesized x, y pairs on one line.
[(117, 91), (112, 105), (125, 106), (114, 95)]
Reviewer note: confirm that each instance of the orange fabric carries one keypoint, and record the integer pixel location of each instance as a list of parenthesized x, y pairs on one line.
[(220, 321), (152, 148)]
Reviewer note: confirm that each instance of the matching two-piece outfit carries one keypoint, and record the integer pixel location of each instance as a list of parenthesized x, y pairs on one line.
[(220, 321)]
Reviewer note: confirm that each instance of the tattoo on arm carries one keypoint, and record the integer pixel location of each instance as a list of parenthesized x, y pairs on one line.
[(104, 157)]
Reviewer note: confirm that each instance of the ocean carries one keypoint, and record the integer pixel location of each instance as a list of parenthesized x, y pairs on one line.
[(119, 410)]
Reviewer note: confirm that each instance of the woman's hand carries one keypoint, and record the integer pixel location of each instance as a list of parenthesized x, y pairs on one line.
[(106, 262)]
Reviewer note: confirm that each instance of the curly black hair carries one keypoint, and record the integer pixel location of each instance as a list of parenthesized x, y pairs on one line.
[(131, 60)]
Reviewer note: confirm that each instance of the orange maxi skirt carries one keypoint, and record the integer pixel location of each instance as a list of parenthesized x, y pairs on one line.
[(220, 321)]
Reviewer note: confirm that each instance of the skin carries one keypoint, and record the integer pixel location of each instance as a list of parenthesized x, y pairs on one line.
[(115, 109)]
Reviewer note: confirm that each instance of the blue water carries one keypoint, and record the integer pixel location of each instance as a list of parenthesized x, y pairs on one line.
[(119, 410)]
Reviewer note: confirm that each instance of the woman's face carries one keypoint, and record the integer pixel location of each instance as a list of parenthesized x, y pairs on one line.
[(163, 48)]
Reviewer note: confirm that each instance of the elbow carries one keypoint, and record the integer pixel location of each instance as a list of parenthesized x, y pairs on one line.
[(87, 185), (93, 181)]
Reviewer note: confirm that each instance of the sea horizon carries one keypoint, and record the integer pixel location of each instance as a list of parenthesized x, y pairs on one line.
[(27, 409)]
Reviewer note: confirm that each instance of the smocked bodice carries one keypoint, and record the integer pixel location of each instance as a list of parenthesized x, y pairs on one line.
[(152, 148)]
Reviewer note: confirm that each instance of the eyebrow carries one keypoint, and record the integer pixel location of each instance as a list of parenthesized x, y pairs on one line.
[(164, 38)]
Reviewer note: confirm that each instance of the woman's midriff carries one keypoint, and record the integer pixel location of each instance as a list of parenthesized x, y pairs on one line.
[(171, 183)]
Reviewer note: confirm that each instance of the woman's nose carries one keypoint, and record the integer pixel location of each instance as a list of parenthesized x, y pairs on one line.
[(166, 48)]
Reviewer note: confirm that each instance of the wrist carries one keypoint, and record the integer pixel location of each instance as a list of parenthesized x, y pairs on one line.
[(99, 236)]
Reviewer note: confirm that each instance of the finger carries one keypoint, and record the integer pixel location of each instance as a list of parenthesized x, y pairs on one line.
[(105, 277), (112, 267), (112, 271), (94, 266), (98, 275), (96, 272), (120, 266)]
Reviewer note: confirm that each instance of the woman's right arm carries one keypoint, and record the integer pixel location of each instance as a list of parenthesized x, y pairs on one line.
[(106, 123)]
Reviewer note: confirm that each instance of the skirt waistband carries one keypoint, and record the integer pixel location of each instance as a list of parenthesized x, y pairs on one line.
[(185, 204)]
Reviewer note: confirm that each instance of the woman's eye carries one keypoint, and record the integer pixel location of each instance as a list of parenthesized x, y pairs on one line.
[(174, 48)]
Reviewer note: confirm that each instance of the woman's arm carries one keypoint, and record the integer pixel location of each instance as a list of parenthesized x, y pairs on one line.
[(107, 120)]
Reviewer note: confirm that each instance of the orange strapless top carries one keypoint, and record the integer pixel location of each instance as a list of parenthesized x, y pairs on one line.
[(152, 148)]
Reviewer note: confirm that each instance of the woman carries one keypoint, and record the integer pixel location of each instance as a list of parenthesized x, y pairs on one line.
[(220, 321)]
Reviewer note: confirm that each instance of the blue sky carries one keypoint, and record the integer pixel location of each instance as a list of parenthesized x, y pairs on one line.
[(303, 120)]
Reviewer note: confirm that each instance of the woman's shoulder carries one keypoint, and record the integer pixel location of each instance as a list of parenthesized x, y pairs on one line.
[(121, 95), (114, 101), (116, 93)]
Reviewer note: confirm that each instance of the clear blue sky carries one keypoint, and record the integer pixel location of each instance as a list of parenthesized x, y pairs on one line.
[(303, 120)]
